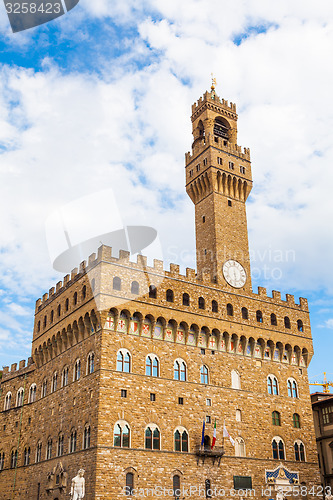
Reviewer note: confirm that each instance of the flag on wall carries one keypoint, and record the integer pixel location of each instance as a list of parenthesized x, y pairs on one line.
[(226, 434), (203, 433), (214, 435)]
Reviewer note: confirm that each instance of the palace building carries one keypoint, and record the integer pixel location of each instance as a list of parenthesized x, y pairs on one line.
[(128, 361)]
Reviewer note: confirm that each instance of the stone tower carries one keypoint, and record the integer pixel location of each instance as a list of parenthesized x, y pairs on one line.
[(218, 181)]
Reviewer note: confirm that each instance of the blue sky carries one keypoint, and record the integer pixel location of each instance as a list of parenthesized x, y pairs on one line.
[(102, 97)]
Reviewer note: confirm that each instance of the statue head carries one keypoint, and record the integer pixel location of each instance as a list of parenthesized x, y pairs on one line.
[(81, 472)]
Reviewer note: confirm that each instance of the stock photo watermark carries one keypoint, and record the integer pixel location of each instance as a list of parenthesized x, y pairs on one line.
[(24, 15)]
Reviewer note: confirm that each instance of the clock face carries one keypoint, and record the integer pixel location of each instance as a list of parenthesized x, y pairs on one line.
[(234, 273)]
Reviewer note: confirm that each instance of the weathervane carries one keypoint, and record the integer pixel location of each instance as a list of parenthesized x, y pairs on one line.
[(213, 83)]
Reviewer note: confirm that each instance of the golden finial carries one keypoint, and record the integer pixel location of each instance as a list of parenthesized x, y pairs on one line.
[(213, 83)]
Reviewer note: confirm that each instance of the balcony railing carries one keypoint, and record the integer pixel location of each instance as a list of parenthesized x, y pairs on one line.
[(206, 451)]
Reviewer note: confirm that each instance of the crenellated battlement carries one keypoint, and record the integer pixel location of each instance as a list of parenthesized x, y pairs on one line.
[(229, 148), (23, 367), (105, 255), (215, 100)]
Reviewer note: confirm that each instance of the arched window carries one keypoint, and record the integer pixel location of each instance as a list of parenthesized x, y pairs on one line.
[(204, 374), (215, 306), (296, 421), (59, 310), (91, 363), (60, 450), (179, 368), (39, 452), (64, 378), (129, 483), (38, 326), (181, 440), (201, 303), (75, 298), (300, 325), (230, 310), (135, 288), (2, 461), (84, 292), (54, 382), (152, 438), (49, 449), (208, 489), (278, 449), (245, 313), (292, 388), (235, 380), (86, 437), (45, 321), (123, 361), (299, 451), (238, 416), (276, 420), (72, 441), (239, 447), (169, 296), (116, 283), (44, 389), (121, 435), (51, 316), (186, 299), (176, 486), (152, 366), (152, 292), (259, 316), (286, 322), (272, 385), (26, 456), (67, 305), (32, 393), (273, 319), (8, 401), (20, 397), (221, 128), (13, 461), (77, 370)]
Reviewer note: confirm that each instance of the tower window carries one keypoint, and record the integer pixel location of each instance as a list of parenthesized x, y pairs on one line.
[(169, 296), (186, 299), (215, 306), (201, 303), (273, 319), (152, 396), (231, 165), (219, 160), (286, 322), (152, 292), (198, 167), (180, 401), (221, 128), (205, 162), (276, 420), (116, 283), (300, 325), (259, 316), (229, 203), (135, 288), (123, 393), (230, 310), (191, 173), (203, 219), (242, 170), (245, 313)]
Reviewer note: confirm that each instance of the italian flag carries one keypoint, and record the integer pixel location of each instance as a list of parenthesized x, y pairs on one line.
[(214, 435)]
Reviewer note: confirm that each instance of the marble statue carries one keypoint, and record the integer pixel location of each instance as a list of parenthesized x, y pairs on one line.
[(78, 486)]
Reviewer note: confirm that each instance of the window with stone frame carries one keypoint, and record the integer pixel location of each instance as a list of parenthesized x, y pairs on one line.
[(77, 370), (64, 380), (327, 414), (20, 397), (129, 484), (116, 283), (276, 419), (204, 374), (26, 455), (121, 435), (8, 401), (272, 385), (2, 460), (278, 449), (90, 363), (60, 450), (152, 365), (54, 382), (299, 451), (39, 452), (152, 438), (181, 440), (86, 437), (296, 421), (72, 441), (123, 361), (179, 369), (49, 449), (13, 461)]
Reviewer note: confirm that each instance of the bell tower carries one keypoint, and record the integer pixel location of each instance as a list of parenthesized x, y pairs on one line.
[(218, 181)]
